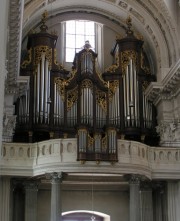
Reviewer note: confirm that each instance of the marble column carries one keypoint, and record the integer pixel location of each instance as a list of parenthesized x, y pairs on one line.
[(146, 205), (31, 189), (134, 209), (5, 192), (56, 196)]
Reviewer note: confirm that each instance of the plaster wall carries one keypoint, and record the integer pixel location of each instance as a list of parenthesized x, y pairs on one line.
[(113, 203)]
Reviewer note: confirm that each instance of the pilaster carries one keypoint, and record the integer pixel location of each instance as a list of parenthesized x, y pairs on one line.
[(146, 204), (5, 192), (134, 209), (31, 189), (56, 179)]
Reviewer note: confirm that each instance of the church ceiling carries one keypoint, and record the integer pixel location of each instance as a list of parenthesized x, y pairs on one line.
[(151, 19)]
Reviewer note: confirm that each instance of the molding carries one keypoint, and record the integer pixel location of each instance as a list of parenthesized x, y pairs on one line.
[(168, 88)]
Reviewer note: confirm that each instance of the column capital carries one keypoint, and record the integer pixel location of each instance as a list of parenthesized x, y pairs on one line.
[(134, 179), (55, 177)]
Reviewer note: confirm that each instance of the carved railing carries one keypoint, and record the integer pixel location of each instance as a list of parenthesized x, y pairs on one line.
[(61, 154)]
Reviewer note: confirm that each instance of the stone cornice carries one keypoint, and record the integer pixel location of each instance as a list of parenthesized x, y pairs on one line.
[(166, 89)]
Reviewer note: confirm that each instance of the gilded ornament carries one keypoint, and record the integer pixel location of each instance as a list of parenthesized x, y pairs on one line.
[(101, 99), (126, 56), (28, 61), (87, 84), (104, 143), (72, 97), (39, 50)]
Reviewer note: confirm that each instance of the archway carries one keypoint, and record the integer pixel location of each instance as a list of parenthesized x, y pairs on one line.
[(84, 215)]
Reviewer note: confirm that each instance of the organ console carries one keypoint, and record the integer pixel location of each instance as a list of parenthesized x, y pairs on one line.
[(97, 108)]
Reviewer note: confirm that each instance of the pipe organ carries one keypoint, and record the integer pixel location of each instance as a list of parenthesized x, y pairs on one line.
[(94, 107), (130, 110)]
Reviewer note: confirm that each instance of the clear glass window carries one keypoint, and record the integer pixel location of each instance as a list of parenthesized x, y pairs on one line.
[(77, 32)]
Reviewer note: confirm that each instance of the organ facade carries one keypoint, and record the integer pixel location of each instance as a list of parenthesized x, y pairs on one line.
[(96, 108)]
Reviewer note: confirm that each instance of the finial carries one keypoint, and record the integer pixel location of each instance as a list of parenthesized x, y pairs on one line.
[(129, 25), (44, 27), (87, 45)]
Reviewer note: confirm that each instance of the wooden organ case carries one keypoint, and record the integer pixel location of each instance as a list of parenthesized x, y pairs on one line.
[(130, 110), (95, 108)]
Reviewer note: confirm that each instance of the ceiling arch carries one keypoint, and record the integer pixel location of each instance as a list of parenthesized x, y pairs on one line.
[(150, 18)]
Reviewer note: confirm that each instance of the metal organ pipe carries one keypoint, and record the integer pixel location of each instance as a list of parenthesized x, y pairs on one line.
[(46, 90), (55, 97), (42, 88)]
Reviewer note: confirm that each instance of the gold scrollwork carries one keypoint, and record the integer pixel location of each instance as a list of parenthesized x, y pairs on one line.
[(104, 143), (101, 99), (28, 61), (90, 141), (87, 84), (125, 58), (112, 68), (112, 85), (72, 97), (72, 75), (39, 50), (60, 83)]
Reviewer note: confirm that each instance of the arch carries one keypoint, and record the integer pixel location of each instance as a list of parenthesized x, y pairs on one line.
[(104, 216)]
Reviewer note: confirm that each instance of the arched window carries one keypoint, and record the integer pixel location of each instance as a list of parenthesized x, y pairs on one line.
[(76, 33)]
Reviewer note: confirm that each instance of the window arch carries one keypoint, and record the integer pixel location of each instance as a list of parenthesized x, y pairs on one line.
[(75, 33)]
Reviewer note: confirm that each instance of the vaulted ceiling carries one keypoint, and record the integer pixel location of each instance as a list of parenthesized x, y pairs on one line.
[(152, 19)]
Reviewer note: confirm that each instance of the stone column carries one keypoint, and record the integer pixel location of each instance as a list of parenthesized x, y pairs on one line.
[(159, 201), (134, 209), (31, 189), (173, 200), (146, 205), (5, 191), (56, 196)]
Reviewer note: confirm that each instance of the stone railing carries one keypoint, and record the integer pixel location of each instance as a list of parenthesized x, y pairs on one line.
[(61, 155)]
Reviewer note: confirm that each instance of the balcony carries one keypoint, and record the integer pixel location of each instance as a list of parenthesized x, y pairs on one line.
[(34, 159)]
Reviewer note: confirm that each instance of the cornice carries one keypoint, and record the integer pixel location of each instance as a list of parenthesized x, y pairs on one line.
[(14, 46), (168, 88)]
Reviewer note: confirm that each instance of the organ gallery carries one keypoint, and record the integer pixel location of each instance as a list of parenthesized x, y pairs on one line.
[(96, 108)]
